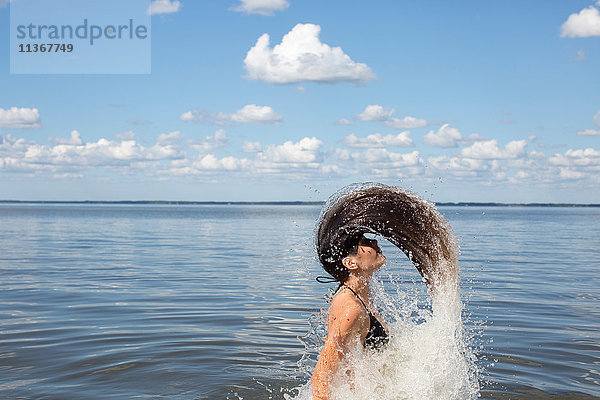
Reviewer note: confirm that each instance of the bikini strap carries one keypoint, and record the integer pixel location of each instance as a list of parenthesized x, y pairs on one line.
[(358, 297)]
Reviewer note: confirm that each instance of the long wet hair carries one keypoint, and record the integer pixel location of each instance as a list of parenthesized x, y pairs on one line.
[(407, 221)]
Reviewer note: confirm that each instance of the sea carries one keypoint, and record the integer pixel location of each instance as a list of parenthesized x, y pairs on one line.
[(219, 301)]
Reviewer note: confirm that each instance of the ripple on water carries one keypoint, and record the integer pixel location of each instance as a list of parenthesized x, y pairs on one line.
[(126, 302)]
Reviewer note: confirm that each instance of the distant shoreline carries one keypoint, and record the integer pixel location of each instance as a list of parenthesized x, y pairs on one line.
[(281, 203)]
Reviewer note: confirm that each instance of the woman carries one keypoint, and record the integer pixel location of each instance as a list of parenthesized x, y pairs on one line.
[(351, 322), (406, 221)]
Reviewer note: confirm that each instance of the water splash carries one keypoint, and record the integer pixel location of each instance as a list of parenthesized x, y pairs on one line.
[(429, 355)]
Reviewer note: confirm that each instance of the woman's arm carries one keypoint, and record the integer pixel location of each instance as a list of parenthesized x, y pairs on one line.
[(347, 325)]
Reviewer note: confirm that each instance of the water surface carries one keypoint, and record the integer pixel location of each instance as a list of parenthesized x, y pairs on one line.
[(208, 301)]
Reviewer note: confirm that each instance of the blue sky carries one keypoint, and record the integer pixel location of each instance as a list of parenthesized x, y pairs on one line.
[(458, 101)]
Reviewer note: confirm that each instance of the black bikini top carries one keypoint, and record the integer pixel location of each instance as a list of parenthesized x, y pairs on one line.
[(377, 337)]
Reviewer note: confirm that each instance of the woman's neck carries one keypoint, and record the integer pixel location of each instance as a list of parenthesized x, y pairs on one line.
[(361, 285)]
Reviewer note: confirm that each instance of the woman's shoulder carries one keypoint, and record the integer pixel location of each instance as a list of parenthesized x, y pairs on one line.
[(347, 318), (346, 304)]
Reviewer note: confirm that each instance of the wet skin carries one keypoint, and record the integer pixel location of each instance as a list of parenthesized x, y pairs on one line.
[(347, 319)]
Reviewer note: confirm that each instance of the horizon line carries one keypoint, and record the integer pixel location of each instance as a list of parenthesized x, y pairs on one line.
[(290, 202)]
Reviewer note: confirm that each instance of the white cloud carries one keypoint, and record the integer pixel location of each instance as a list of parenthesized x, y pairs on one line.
[(74, 140), (261, 7), (15, 117), (304, 159), (522, 174), (559, 159), (597, 118), (382, 163), (170, 139), (249, 114), (73, 153), (211, 143), (209, 161), (589, 152), (374, 162), (499, 176), (330, 169), (304, 151), (10, 146), (566, 173), (344, 121), (342, 154), (578, 158), (458, 166), (383, 156), (165, 157), (67, 175), (163, 7), (302, 57), (251, 147), (195, 116), (588, 132), (378, 140), (205, 164), (253, 114), (405, 123), (533, 168), (488, 149), (483, 163), (536, 155), (375, 112), (581, 160), (299, 156), (586, 23), (446, 137)]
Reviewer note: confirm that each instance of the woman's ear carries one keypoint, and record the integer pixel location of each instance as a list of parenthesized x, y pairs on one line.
[(349, 263)]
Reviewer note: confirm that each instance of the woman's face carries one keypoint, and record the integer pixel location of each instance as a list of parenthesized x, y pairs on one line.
[(369, 256)]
